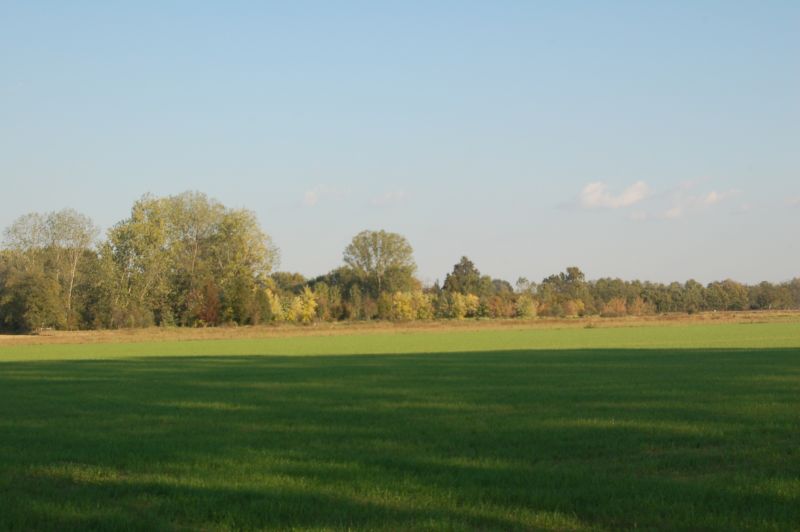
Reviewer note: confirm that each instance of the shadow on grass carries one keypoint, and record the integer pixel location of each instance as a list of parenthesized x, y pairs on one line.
[(598, 439)]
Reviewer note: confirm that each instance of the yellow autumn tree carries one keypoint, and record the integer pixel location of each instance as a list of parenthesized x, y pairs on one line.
[(615, 307), (457, 305), (276, 311), (402, 306), (471, 305), (526, 307), (305, 306), (423, 305)]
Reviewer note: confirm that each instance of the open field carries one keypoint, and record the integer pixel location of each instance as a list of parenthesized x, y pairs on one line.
[(690, 426), (161, 334)]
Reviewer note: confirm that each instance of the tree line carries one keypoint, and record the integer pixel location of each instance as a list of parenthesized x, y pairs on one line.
[(187, 260)]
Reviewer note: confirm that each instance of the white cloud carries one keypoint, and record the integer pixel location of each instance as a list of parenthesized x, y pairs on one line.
[(793, 202), (314, 195), (712, 198), (684, 204), (311, 197), (597, 195), (392, 197), (715, 197), (684, 199)]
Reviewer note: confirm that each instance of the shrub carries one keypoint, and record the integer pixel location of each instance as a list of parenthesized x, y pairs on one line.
[(614, 308), (525, 307), (385, 306), (275, 306), (402, 306), (639, 307), (574, 308), (471, 305), (423, 305)]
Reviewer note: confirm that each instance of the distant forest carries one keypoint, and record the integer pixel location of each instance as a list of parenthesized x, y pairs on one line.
[(187, 260)]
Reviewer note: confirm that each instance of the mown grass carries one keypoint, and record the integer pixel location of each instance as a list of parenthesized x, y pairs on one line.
[(692, 427)]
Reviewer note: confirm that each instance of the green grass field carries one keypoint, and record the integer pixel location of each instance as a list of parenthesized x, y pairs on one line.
[(679, 427)]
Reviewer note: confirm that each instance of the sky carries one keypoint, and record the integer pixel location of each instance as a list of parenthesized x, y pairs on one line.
[(649, 140)]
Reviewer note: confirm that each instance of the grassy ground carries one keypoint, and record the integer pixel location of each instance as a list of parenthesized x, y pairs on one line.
[(259, 332), (682, 427)]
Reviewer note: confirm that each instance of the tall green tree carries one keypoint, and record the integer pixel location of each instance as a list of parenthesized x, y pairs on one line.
[(464, 279), (385, 260), (30, 300), (137, 260), (188, 258), (50, 247), (72, 235)]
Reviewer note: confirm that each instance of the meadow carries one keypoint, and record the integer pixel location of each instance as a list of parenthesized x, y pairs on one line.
[(688, 426)]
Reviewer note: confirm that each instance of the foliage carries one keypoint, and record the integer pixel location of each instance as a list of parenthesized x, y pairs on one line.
[(189, 254), (615, 307), (384, 260), (187, 260), (403, 306), (464, 279), (307, 307), (276, 311), (29, 301), (525, 306), (47, 252), (423, 305)]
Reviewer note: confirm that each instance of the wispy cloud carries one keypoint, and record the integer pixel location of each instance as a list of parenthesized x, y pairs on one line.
[(641, 203), (712, 198), (683, 202), (313, 196), (391, 197), (674, 212), (597, 195), (793, 202), (684, 199)]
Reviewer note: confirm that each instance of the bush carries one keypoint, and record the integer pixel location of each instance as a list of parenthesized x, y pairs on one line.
[(574, 308), (525, 307), (614, 308), (402, 307), (423, 305)]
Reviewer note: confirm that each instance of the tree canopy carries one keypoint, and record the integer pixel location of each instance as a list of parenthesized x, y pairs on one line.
[(188, 260), (385, 259)]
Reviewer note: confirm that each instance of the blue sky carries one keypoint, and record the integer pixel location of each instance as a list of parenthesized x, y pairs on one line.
[(651, 140)]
